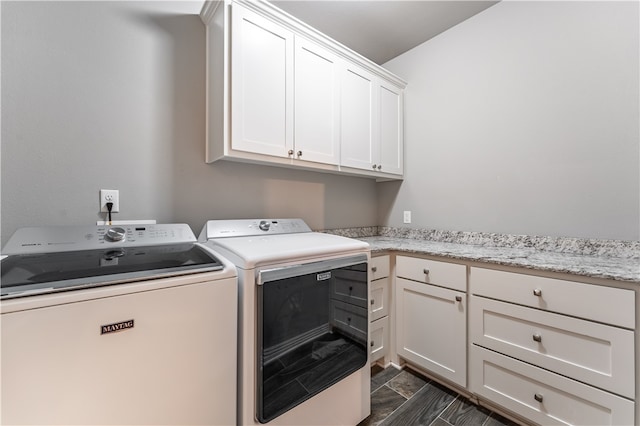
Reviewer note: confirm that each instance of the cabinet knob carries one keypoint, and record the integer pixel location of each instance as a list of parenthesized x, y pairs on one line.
[(299, 153), (373, 167), (538, 397), (379, 167), (425, 271), (372, 344), (290, 152), (458, 298), (537, 338), (537, 292), (373, 302), (374, 268)]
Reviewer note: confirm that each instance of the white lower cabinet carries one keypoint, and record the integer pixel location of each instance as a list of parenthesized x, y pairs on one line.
[(550, 350), (431, 328), (541, 396), (379, 338), (379, 305), (593, 353), (443, 274), (379, 309)]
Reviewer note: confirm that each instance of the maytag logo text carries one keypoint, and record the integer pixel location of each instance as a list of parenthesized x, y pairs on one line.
[(117, 326)]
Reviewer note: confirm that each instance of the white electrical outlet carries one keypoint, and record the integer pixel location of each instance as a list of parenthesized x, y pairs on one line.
[(407, 216), (110, 196)]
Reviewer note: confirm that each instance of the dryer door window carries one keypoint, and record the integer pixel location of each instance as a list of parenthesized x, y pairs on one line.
[(312, 331)]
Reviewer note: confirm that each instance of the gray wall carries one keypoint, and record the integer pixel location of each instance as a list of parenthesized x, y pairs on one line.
[(111, 95), (524, 119)]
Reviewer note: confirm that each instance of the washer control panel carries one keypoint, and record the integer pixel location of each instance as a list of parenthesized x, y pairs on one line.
[(251, 227), (70, 238)]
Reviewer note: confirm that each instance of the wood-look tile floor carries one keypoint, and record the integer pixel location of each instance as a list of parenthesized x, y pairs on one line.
[(404, 397)]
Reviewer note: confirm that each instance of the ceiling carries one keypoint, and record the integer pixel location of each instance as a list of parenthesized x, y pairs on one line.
[(382, 29)]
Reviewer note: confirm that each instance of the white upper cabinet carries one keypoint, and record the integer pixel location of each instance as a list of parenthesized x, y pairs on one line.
[(261, 85), (391, 129), (281, 93), (371, 115), (317, 104), (358, 139)]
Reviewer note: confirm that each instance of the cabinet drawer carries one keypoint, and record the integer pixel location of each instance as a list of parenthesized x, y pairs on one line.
[(350, 319), (379, 304), (593, 353), (541, 396), (379, 340), (443, 274), (431, 328), (587, 301), (379, 267)]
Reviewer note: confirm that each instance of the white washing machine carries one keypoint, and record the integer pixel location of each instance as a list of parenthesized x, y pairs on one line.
[(303, 322), (117, 325)]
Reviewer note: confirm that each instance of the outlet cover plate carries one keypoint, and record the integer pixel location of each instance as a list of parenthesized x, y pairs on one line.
[(109, 196), (407, 216)]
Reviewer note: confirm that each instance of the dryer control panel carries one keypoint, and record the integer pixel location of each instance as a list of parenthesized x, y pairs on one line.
[(251, 227)]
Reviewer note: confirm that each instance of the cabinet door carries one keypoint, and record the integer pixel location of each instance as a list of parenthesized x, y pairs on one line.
[(261, 85), (316, 103), (379, 304), (358, 144), (391, 136), (379, 339), (431, 328)]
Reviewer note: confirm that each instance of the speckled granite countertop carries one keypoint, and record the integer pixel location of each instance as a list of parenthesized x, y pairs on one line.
[(610, 259)]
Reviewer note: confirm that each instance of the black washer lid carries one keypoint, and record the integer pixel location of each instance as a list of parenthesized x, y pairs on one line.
[(27, 274)]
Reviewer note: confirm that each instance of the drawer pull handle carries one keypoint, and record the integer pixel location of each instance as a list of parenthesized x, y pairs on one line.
[(425, 271), (458, 298), (374, 268), (537, 338), (538, 397), (537, 292)]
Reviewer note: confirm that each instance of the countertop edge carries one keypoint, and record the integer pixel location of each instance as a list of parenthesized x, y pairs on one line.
[(622, 270)]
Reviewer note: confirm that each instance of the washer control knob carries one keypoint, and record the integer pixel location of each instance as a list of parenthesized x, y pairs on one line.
[(264, 225), (115, 234)]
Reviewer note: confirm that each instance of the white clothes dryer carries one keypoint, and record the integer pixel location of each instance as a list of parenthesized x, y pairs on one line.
[(303, 322)]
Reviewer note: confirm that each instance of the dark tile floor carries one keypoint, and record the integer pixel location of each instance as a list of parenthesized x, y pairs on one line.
[(404, 397)]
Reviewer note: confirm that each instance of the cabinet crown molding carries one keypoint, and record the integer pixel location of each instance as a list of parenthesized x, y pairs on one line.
[(288, 21), (208, 10)]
